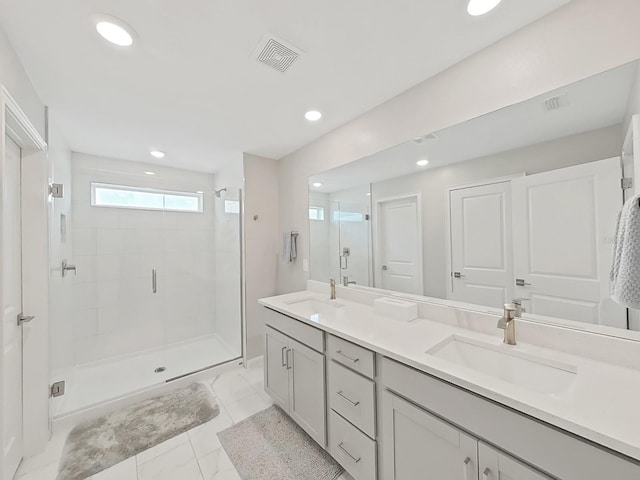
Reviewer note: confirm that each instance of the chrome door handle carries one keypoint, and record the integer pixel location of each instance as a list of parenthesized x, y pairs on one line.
[(154, 280), (465, 468), (22, 318), (344, 397), (68, 268), (458, 275), (521, 283), (282, 357), (289, 364), (355, 460), (486, 473), (354, 360)]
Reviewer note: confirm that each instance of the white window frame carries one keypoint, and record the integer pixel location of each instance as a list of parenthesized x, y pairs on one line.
[(129, 188), (318, 210)]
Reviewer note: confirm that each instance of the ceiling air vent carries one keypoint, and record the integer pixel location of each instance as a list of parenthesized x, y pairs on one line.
[(425, 138), (276, 53), (555, 103)]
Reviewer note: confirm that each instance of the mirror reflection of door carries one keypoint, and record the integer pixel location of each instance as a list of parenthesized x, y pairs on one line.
[(399, 245), (563, 226), (481, 249)]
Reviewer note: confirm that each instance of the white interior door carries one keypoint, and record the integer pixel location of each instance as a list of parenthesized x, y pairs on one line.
[(399, 228), (481, 244), (564, 222), (11, 260)]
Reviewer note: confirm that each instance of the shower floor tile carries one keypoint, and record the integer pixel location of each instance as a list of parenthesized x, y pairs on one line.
[(93, 384)]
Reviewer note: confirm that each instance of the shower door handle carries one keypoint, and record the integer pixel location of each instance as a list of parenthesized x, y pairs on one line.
[(154, 280)]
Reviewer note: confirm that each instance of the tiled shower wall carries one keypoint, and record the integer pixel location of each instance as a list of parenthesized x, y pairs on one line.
[(115, 311)]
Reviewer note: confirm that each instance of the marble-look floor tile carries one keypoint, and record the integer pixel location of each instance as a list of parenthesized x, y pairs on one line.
[(231, 386), (217, 466), (126, 470), (162, 448), (247, 406), (177, 464), (204, 438), (48, 472), (49, 458)]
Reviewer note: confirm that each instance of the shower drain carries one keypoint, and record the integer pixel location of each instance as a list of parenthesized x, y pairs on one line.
[(160, 369)]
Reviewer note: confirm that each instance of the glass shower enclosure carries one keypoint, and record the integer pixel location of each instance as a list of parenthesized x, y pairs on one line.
[(156, 293)]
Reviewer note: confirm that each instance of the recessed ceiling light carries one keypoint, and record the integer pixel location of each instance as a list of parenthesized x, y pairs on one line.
[(480, 7), (149, 173), (313, 115), (368, 194), (157, 153), (114, 31), (422, 163), (317, 184)]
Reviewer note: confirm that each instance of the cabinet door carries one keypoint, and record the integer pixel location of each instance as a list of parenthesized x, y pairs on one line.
[(416, 444), (307, 399), (496, 465), (276, 375)]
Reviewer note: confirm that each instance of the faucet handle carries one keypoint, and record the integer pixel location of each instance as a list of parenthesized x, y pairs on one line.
[(509, 311)]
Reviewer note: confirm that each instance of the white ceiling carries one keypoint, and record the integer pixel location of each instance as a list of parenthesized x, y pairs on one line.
[(191, 87), (596, 102)]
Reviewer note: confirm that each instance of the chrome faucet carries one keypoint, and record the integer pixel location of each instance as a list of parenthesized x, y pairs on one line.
[(346, 282), (508, 323), (517, 302), (332, 283)]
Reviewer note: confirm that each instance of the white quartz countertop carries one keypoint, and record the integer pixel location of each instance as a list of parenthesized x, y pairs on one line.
[(602, 404)]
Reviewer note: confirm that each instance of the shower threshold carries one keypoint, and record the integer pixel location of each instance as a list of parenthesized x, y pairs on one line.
[(94, 384)]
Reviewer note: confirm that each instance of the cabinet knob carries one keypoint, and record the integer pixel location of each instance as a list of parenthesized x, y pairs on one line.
[(486, 474)]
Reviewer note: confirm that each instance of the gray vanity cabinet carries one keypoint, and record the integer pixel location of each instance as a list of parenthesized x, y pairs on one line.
[(294, 377), (496, 465), (276, 374), (419, 445)]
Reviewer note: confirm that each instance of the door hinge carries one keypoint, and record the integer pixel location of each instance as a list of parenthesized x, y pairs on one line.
[(56, 190), (57, 389), (626, 183)]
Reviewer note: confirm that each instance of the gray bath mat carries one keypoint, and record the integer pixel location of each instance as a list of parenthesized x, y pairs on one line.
[(269, 445), (98, 444)]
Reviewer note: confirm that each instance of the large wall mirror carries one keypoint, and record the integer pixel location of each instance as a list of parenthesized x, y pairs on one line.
[(521, 203)]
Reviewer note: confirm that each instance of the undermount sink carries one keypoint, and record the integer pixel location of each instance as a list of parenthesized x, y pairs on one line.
[(315, 305), (518, 368)]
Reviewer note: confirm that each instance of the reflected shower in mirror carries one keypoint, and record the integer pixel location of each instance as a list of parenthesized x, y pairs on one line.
[(519, 204)]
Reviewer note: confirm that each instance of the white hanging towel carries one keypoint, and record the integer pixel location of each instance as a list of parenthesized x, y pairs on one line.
[(289, 247), (625, 272)]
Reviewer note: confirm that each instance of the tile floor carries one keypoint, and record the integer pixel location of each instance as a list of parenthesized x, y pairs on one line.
[(193, 455)]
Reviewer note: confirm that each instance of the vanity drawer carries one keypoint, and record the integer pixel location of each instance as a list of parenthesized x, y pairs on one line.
[(351, 448), (353, 397), (353, 356), (309, 336)]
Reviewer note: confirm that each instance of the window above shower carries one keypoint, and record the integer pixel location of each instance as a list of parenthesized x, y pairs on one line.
[(137, 198)]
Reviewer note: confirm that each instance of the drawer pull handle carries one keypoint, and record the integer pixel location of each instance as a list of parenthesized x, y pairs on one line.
[(354, 360), (282, 355), (465, 468), (486, 473), (344, 397), (289, 363), (346, 452)]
